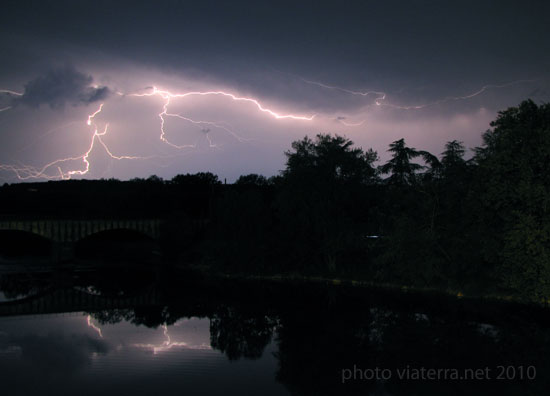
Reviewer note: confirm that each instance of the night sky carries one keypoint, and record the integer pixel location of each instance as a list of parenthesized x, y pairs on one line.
[(252, 77)]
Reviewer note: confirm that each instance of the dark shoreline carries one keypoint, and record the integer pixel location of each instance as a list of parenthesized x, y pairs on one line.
[(169, 280)]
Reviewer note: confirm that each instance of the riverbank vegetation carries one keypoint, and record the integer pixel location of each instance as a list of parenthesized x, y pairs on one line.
[(478, 225), (477, 222)]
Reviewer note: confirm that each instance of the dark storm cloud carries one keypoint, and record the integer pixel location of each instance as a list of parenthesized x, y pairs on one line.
[(306, 57), (440, 47), (62, 86)]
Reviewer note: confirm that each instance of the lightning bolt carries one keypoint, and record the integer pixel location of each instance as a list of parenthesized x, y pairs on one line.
[(24, 172), (380, 100), (55, 169), (210, 143), (91, 116), (168, 96), (456, 98), (211, 123), (342, 121), (169, 344), (93, 326), (8, 91), (381, 95)]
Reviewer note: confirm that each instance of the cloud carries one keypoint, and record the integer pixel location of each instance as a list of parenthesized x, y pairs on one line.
[(62, 86)]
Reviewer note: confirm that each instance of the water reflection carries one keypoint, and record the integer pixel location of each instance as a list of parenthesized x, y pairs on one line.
[(178, 334)]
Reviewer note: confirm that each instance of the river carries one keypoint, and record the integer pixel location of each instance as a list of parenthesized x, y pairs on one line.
[(128, 331)]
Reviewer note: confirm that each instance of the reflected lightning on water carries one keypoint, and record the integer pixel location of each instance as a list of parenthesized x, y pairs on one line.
[(93, 326), (169, 344)]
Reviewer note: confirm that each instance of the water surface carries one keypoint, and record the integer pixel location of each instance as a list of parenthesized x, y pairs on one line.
[(124, 332)]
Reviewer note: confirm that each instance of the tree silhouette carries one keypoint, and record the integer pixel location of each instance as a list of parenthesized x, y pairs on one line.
[(453, 156), (324, 180), (252, 180), (201, 179), (329, 159), (514, 183), (400, 166), (240, 334)]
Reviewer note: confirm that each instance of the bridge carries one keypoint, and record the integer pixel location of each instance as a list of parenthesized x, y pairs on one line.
[(67, 231), (64, 233)]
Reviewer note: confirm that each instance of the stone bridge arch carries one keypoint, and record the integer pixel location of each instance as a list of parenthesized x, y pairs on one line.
[(65, 233), (70, 231)]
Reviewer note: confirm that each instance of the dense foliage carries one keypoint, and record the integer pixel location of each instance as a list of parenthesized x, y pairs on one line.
[(478, 224), (475, 225)]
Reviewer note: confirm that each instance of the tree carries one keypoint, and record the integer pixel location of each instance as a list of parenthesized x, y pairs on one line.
[(252, 180), (400, 166), (240, 334), (323, 200), (514, 204), (154, 179), (329, 159), (453, 156), (200, 179), (411, 252), (433, 165)]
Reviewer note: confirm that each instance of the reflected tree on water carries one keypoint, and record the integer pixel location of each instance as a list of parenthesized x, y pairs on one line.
[(240, 335)]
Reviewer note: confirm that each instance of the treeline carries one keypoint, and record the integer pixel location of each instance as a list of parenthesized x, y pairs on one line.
[(186, 195), (478, 225)]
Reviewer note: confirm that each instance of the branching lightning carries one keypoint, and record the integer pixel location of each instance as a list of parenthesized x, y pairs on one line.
[(453, 98), (169, 344), (211, 123), (25, 172), (57, 169), (168, 96), (381, 97)]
